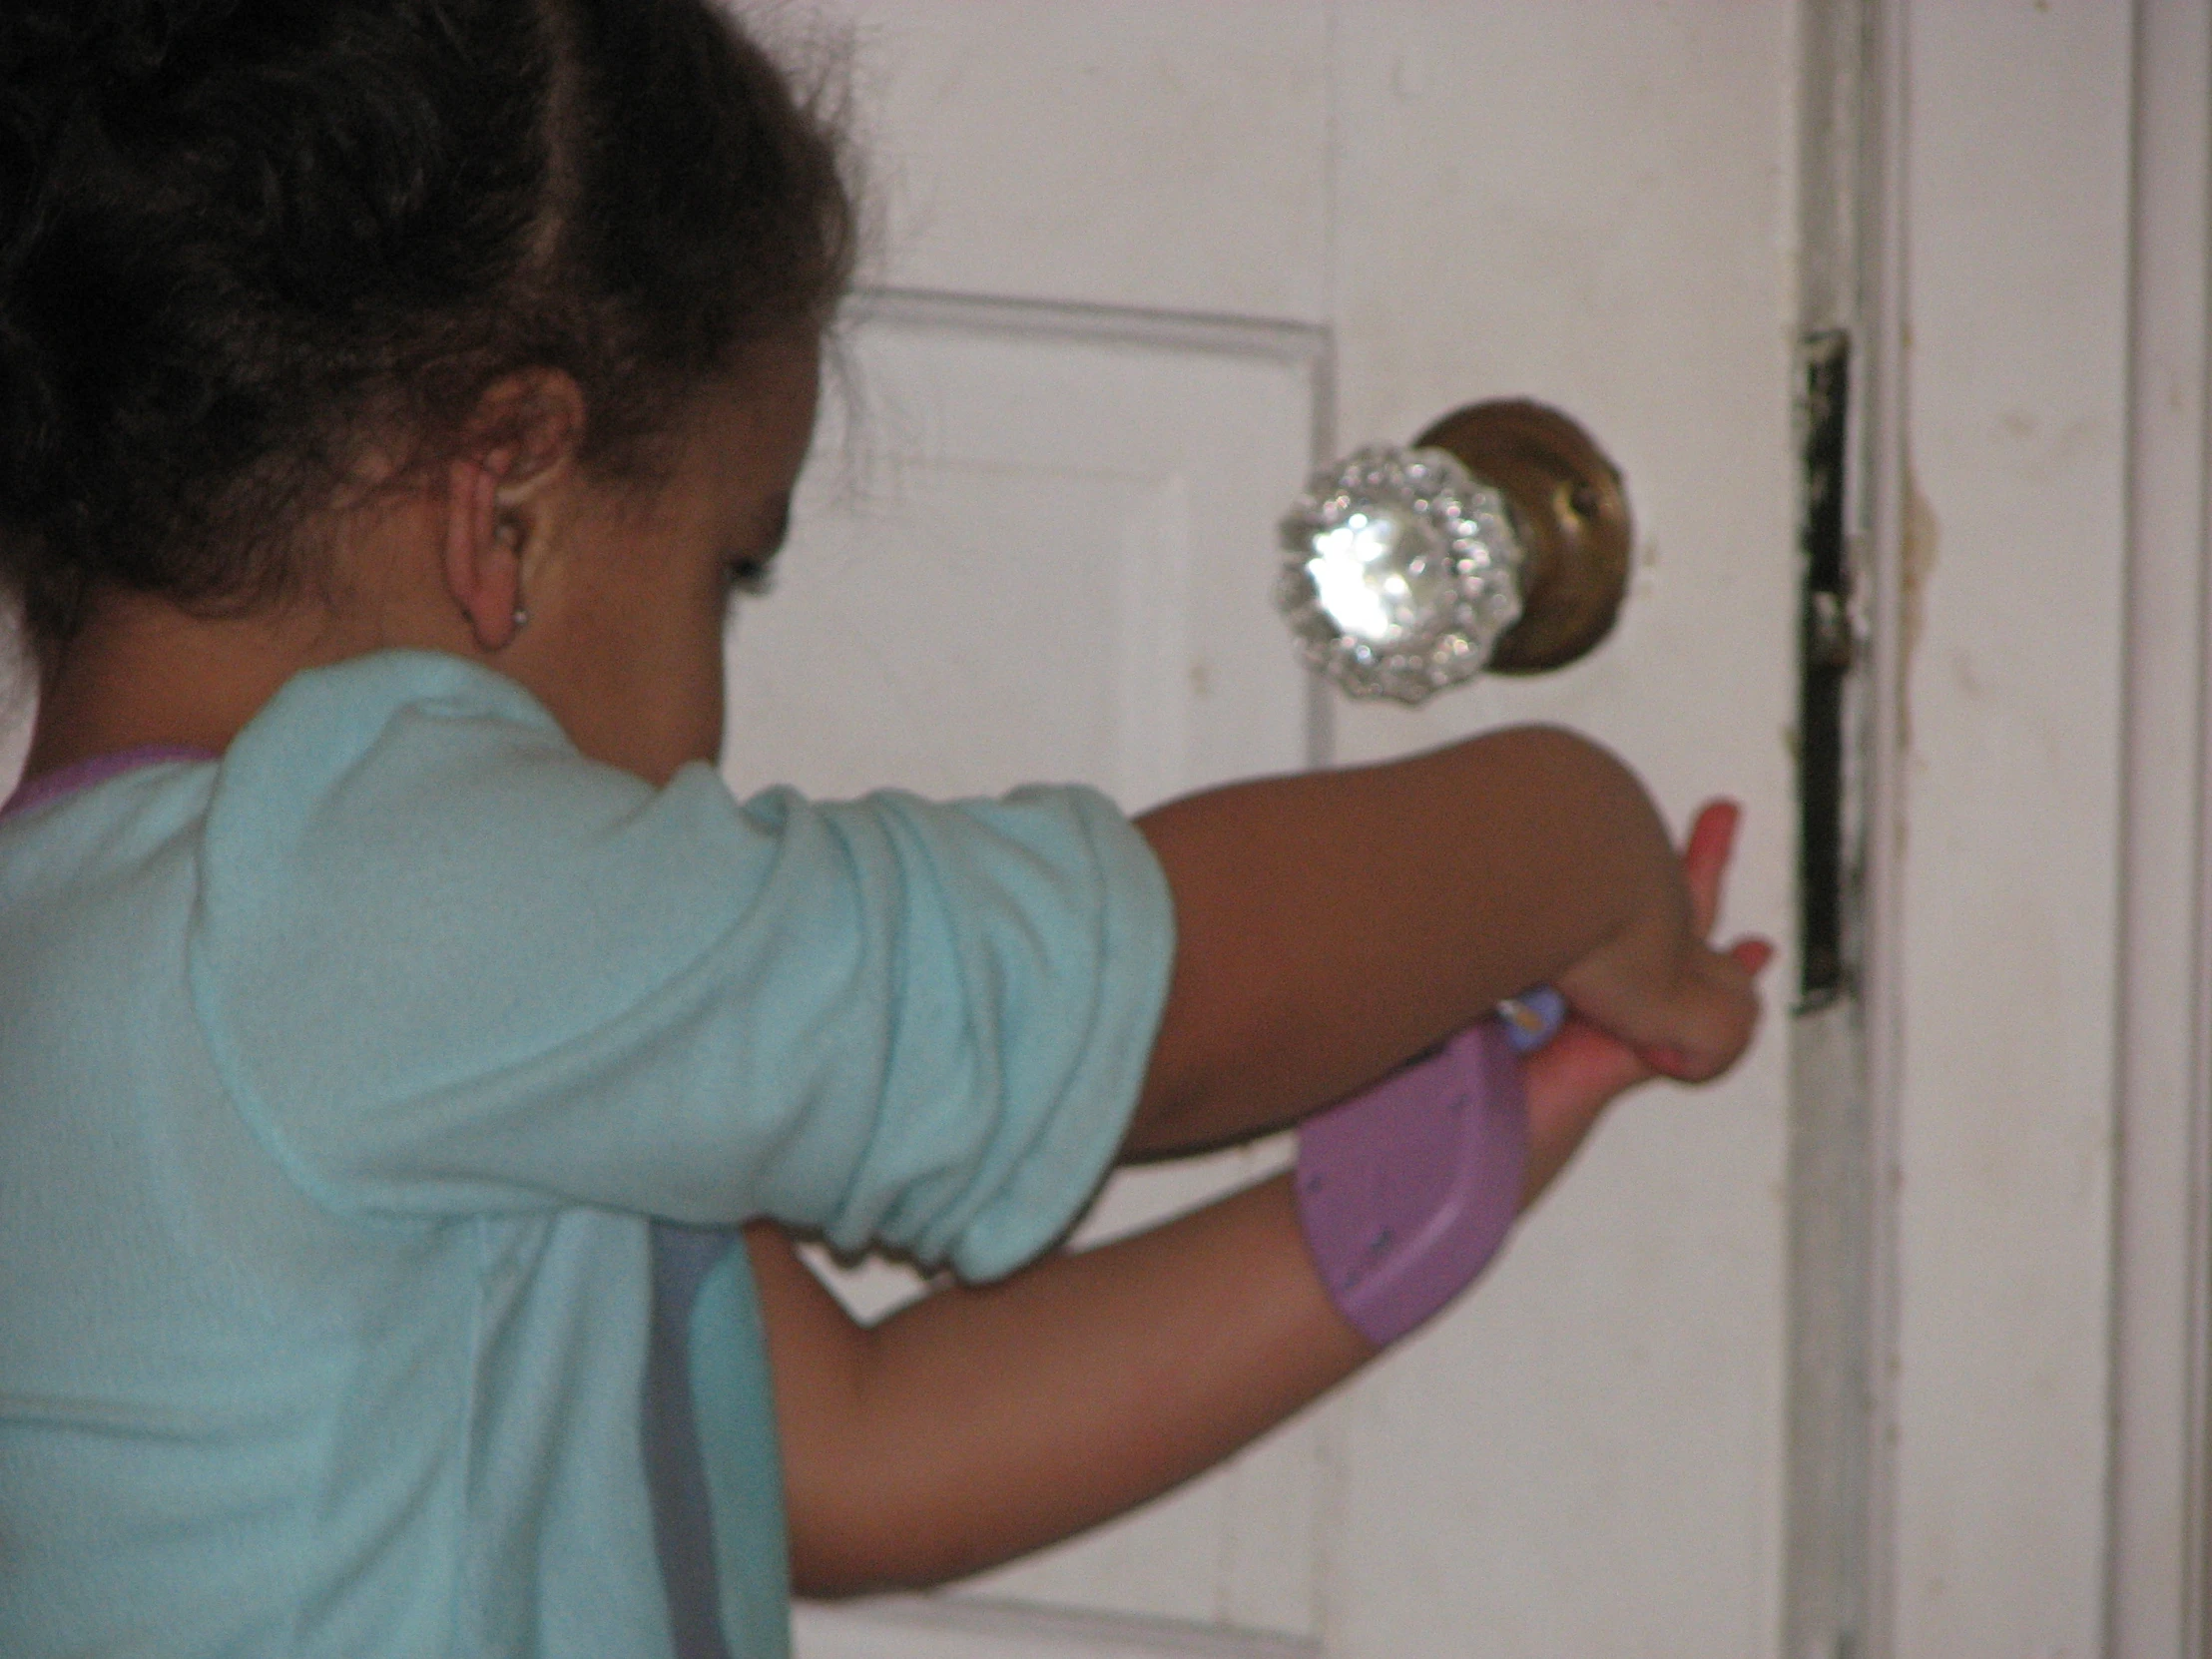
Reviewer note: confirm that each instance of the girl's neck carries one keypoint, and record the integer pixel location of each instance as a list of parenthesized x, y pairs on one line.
[(144, 672)]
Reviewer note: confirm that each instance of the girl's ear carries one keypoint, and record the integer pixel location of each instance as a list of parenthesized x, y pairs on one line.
[(504, 496)]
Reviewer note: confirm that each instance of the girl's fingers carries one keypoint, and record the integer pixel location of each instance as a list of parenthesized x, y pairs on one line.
[(1727, 1010), (1705, 857), (1752, 955), (1579, 1068), (1572, 1078), (1719, 1004)]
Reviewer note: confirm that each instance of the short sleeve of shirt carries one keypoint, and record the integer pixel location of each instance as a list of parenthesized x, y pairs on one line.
[(447, 965)]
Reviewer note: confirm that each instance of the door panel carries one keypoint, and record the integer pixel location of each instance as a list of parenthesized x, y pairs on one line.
[(1025, 552), (936, 1627), (1022, 553), (1110, 152)]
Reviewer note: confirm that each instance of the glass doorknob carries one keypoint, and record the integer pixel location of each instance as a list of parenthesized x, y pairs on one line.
[(1499, 540)]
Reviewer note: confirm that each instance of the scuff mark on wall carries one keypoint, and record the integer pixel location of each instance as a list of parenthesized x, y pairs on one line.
[(1921, 538)]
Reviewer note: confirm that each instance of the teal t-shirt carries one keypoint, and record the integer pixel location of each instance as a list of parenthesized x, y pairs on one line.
[(343, 1083)]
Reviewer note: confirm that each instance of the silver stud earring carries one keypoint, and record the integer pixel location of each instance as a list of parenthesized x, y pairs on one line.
[(522, 618)]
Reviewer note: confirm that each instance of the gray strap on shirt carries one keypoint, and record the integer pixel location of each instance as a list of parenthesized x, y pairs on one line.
[(683, 1523)]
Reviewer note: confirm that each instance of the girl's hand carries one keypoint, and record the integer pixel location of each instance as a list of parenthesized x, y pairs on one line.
[(1573, 1079), (1684, 1007)]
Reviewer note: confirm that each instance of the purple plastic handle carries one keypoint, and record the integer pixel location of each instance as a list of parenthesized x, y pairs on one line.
[(1406, 1192)]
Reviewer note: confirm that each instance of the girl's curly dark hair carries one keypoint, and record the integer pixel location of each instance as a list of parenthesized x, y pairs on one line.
[(238, 235)]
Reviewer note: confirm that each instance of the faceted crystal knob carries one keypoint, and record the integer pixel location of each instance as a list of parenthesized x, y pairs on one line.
[(1498, 541)]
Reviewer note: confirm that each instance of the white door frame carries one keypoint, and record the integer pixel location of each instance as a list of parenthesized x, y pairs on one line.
[(2156, 1544), (1840, 1351)]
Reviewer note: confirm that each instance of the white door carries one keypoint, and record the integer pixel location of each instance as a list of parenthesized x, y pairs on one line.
[(1139, 266)]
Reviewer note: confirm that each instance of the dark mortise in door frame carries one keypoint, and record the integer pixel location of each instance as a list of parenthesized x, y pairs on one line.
[(1827, 652)]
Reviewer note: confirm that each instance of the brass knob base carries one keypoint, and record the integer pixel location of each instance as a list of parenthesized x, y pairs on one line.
[(1571, 511)]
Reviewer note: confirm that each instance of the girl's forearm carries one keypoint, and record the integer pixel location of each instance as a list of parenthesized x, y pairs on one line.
[(1335, 923), (978, 1424)]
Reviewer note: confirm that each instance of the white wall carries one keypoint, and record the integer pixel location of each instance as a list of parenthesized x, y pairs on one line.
[(2015, 225)]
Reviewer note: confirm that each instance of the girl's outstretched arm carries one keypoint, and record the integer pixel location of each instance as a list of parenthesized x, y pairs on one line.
[(977, 1425), (1331, 924)]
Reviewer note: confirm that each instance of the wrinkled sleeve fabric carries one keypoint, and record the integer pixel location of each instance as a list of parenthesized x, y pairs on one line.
[(447, 966)]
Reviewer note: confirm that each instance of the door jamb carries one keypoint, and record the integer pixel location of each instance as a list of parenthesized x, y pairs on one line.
[(1842, 1345)]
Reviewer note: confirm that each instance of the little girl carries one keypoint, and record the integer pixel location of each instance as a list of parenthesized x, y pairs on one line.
[(398, 1017)]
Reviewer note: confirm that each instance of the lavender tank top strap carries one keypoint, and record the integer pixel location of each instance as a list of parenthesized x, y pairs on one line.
[(52, 786)]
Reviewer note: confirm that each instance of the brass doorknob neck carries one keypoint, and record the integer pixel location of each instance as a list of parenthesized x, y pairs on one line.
[(1571, 509), (1498, 541)]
